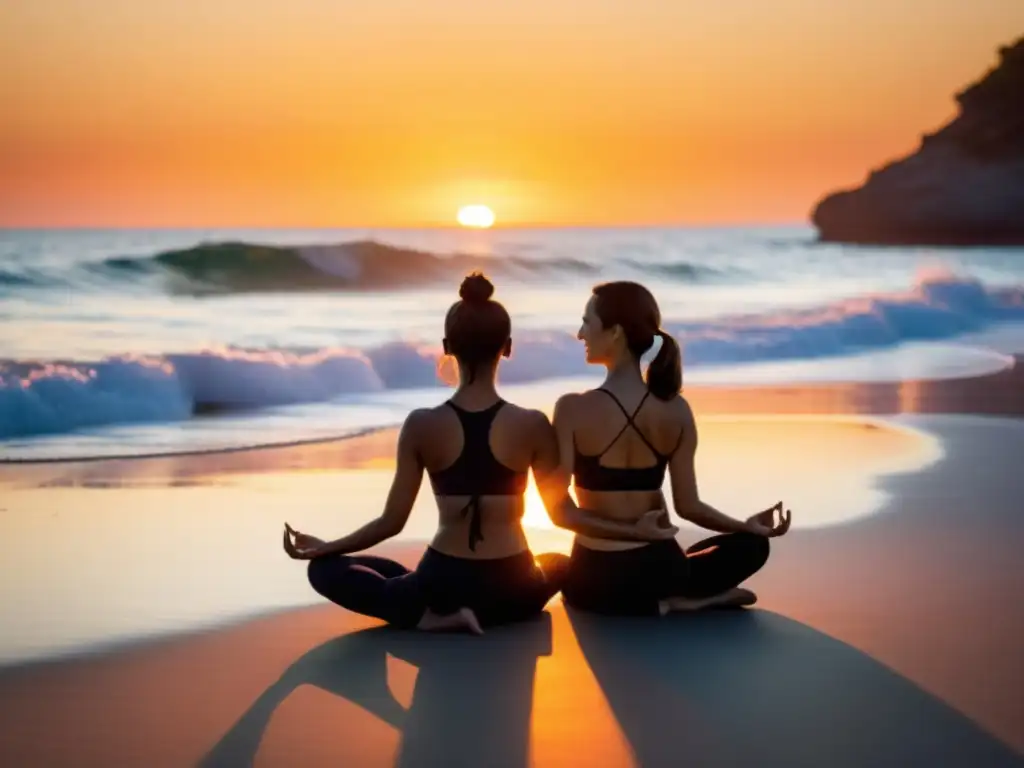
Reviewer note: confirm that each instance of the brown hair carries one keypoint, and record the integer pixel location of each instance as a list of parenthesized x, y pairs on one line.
[(633, 307), (476, 328)]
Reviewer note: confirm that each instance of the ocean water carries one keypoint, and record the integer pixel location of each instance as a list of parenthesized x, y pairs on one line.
[(137, 342)]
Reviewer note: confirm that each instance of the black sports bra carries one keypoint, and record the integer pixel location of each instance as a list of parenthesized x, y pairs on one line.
[(476, 472), (591, 475)]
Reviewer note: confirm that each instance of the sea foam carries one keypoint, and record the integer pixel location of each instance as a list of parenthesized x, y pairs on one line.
[(47, 397)]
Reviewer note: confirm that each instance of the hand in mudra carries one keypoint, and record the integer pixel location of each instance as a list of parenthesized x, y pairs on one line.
[(300, 546), (763, 523)]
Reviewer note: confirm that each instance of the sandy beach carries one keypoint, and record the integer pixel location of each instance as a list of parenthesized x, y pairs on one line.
[(240, 244), (151, 619)]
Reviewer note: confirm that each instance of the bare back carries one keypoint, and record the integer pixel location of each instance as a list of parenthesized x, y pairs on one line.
[(619, 430), (517, 439)]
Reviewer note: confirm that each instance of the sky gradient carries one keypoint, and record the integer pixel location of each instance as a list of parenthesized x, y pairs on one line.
[(396, 112)]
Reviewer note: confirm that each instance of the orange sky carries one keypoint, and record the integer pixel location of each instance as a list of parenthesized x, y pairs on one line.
[(395, 112)]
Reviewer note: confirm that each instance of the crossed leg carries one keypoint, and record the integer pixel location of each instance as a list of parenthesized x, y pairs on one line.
[(714, 569)]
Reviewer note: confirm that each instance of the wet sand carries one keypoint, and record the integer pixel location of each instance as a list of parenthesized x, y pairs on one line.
[(887, 633)]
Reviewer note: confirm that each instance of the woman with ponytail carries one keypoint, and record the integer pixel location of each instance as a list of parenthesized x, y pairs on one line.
[(476, 449), (616, 441)]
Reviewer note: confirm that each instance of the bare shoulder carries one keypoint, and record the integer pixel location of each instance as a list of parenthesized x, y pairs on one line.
[(530, 418), (570, 399), (419, 422), (680, 408), (568, 405), (677, 414)]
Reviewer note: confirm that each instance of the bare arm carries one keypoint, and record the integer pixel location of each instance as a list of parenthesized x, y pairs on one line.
[(553, 466), (404, 488), (684, 486)]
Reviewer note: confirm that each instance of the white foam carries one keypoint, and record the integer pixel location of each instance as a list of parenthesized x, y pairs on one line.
[(59, 398), (46, 398), (234, 379), (872, 337)]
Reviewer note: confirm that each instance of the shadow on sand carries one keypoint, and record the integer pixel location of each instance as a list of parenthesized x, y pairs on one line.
[(744, 688), (471, 704), (752, 688)]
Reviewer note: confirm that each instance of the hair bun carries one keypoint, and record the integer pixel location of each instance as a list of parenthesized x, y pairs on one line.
[(476, 289)]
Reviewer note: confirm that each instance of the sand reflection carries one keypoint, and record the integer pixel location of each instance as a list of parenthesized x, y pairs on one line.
[(164, 544)]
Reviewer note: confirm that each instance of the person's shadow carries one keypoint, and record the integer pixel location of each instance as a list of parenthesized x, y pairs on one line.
[(737, 688), (471, 703), (752, 688)]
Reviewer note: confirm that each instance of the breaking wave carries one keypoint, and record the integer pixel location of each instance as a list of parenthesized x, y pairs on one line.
[(48, 397), (362, 265)]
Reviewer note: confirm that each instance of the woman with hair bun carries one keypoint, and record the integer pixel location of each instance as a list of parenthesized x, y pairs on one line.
[(477, 450), (617, 441)]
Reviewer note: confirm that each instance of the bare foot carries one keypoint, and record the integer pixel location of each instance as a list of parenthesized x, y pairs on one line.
[(462, 620), (737, 597)]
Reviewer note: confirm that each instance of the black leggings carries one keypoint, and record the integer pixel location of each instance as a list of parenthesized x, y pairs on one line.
[(633, 581), (498, 591)]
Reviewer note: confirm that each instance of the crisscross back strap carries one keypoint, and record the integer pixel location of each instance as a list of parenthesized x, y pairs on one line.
[(629, 423)]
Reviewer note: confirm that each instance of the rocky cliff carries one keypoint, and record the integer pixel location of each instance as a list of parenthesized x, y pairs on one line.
[(963, 186)]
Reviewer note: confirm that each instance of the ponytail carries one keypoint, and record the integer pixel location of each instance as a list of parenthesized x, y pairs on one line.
[(665, 373), (633, 308)]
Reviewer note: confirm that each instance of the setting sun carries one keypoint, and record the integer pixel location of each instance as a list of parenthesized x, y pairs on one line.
[(478, 216)]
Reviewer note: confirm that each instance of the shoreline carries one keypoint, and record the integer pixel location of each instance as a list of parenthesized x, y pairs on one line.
[(996, 394), (889, 637), (179, 508), (406, 551), (881, 658)]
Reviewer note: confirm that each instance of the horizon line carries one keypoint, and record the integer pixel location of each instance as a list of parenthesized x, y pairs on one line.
[(395, 228)]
